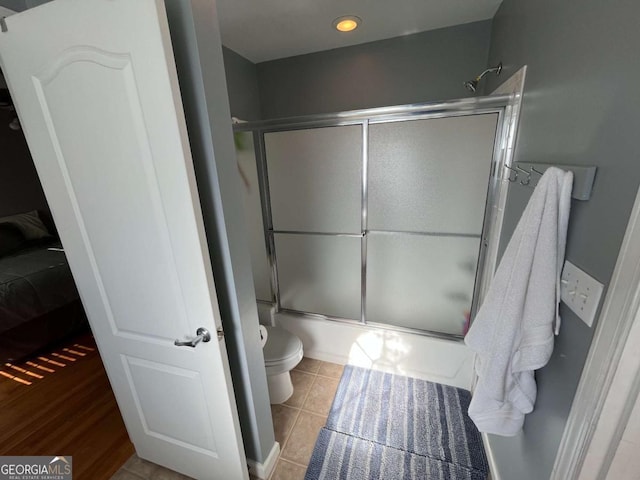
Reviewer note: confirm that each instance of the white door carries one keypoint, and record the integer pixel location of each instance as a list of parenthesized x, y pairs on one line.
[(95, 86)]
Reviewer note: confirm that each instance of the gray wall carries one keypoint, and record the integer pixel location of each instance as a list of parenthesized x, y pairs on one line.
[(580, 107), (414, 68), (20, 5), (196, 43), (242, 85), (15, 5)]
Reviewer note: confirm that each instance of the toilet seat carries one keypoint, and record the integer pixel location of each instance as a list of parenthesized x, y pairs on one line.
[(282, 352)]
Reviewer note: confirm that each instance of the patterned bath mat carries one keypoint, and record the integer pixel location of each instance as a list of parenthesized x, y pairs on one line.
[(344, 457), (424, 422)]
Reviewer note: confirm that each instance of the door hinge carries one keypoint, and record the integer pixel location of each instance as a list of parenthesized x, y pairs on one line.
[(220, 333), (3, 24)]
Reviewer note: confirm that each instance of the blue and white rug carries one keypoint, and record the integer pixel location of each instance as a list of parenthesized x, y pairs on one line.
[(381, 422), (345, 457)]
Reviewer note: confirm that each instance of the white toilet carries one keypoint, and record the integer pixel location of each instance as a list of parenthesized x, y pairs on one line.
[(282, 352)]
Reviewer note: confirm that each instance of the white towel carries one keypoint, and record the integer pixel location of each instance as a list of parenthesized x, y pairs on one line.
[(512, 333)]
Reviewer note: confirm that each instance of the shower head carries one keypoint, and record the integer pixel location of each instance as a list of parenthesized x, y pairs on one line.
[(472, 85)]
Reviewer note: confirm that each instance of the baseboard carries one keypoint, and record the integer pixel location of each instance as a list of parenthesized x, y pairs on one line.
[(263, 470)]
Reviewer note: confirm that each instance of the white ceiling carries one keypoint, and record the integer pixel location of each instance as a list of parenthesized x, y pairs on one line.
[(262, 30)]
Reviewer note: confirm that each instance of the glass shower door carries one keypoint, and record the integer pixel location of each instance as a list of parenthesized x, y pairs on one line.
[(379, 221), (428, 182), (315, 182)]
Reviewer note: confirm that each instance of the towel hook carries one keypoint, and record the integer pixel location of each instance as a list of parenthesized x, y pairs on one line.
[(533, 170), (513, 170), (527, 180)]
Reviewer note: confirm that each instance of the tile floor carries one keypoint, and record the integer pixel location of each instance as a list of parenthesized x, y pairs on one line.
[(138, 469), (296, 424), (298, 421)]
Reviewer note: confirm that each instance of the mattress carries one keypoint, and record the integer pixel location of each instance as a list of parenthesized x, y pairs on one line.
[(34, 282)]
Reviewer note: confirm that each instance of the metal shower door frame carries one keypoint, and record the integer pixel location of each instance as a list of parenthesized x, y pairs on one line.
[(502, 105)]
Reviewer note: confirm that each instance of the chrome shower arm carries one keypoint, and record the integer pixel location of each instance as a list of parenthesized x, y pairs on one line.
[(497, 69), (472, 85)]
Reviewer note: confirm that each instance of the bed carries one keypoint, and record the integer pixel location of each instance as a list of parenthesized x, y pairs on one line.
[(39, 302)]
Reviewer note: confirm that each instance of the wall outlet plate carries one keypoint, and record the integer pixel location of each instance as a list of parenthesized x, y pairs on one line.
[(580, 292)]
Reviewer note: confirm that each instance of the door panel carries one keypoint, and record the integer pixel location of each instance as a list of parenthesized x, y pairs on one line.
[(320, 274), (148, 382), (96, 90), (421, 281), (61, 95), (315, 178), (430, 175)]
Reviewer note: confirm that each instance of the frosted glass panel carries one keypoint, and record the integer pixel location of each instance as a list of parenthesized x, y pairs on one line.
[(430, 175), (319, 274), (315, 178), (245, 154), (421, 281)]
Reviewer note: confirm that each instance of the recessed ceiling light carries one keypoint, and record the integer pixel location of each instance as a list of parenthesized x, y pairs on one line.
[(346, 23)]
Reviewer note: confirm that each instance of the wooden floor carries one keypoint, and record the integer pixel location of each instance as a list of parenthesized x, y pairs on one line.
[(61, 403)]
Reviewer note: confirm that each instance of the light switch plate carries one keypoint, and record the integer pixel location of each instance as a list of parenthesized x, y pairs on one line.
[(580, 292)]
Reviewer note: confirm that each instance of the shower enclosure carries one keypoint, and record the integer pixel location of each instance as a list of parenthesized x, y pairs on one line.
[(386, 217)]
